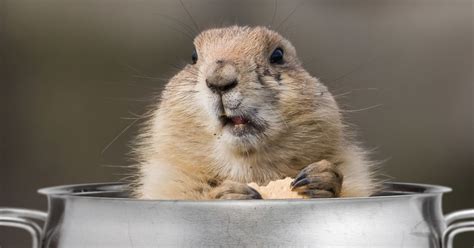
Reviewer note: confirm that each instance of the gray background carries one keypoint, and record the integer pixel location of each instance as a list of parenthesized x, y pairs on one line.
[(74, 74)]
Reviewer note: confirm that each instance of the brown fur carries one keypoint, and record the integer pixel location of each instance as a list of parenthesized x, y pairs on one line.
[(184, 153)]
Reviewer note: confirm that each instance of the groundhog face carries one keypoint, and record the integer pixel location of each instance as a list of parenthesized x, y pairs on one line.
[(249, 83)]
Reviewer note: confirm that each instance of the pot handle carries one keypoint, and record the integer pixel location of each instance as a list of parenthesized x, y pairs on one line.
[(457, 222), (24, 219)]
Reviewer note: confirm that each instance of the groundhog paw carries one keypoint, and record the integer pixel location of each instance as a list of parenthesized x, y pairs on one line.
[(318, 180), (234, 191)]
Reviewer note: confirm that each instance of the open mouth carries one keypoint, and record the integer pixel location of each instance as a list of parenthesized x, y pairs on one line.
[(238, 125)]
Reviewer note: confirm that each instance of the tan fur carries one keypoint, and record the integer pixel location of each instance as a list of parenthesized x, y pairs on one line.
[(183, 151)]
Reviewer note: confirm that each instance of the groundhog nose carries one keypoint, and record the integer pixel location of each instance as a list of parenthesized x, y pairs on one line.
[(223, 78), (221, 86)]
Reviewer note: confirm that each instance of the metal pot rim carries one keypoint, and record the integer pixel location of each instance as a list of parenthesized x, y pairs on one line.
[(113, 190)]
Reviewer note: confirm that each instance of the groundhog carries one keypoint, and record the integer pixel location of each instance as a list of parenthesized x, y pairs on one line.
[(245, 110)]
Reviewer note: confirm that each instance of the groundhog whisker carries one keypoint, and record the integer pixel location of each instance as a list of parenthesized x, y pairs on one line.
[(116, 166), (134, 84), (186, 32), (190, 16), (343, 94), (290, 14), (148, 77), (119, 135), (136, 117), (352, 91), (130, 118), (362, 109), (189, 36), (352, 71), (187, 28), (128, 99), (147, 114), (275, 7), (130, 67)]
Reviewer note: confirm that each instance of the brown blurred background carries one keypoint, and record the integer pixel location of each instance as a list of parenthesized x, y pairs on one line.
[(74, 74)]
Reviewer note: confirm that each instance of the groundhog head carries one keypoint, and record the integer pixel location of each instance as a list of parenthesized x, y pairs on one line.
[(248, 88)]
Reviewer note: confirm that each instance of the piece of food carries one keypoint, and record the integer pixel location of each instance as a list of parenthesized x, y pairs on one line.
[(279, 189)]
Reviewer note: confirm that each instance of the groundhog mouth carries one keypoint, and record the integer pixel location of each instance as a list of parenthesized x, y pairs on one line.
[(239, 125)]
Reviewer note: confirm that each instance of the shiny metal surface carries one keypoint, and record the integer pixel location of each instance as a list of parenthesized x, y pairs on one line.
[(458, 222), (101, 215), (25, 219)]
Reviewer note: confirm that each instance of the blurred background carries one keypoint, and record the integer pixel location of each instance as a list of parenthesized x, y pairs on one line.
[(74, 75)]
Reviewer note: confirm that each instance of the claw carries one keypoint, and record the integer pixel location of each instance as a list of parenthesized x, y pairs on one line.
[(302, 182), (300, 176), (255, 194), (234, 190), (318, 180)]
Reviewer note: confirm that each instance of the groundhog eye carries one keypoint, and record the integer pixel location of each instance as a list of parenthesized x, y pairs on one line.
[(277, 56), (194, 57)]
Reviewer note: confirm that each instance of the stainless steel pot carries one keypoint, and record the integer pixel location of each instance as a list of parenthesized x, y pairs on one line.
[(101, 215)]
